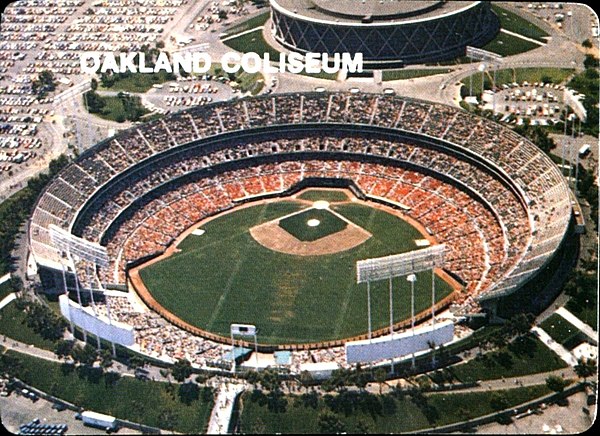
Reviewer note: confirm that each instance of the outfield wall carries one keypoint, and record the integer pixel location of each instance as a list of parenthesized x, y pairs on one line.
[(409, 342), (98, 325)]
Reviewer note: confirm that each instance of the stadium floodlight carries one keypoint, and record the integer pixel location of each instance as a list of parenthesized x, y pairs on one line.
[(398, 265), (78, 247)]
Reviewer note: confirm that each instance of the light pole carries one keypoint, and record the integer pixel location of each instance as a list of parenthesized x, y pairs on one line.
[(412, 279)]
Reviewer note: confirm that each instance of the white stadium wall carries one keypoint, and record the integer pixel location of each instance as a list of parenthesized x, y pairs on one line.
[(399, 345), (98, 325)]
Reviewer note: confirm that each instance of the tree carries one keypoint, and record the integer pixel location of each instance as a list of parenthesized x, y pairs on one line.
[(63, 348), (586, 44), (329, 423), (556, 383), (10, 366), (189, 392), (586, 368), (499, 401), (590, 61), (84, 355), (181, 370), (380, 377), (94, 84), (105, 358)]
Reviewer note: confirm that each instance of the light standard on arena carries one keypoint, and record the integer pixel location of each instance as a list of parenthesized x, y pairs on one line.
[(412, 279), (482, 69)]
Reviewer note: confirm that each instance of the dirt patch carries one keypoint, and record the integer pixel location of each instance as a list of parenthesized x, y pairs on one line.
[(273, 237)]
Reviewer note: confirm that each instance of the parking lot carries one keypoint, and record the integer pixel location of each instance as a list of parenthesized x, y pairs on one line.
[(16, 410)]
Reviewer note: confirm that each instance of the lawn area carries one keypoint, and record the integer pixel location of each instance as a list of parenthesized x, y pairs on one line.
[(518, 75), (137, 82), (297, 225), (517, 24), (255, 42), (252, 23), (12, 324), (562, 331), (403, 74), (521, 357), (588, 314), (5, 289), (387, 414), (252, 42), (225, 276), (120, 109), (126, 398), (323, 195), (508, 45)]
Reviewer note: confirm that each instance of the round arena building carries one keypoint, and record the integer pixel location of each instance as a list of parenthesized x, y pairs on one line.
[(394, 31)]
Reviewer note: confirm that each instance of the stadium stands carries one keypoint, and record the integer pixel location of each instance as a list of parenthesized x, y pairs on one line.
[(493, 197)]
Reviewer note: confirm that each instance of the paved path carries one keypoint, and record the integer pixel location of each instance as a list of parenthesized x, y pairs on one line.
[(10, 297), (513, 382), (586, 329), (562, 352), (221, 413)]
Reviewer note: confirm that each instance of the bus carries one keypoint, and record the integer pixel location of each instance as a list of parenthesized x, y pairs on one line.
[(584, 151)]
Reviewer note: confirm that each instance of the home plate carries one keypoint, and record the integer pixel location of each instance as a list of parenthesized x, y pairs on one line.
[(313, 222), (422, 243), (198, 232), (321, 204)]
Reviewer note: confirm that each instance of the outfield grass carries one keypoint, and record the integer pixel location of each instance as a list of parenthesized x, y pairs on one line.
[(297, 225), (323, 195), (517, 24), (127, 398), (225, 276), (522, 357), (386, 414), (562, 331), (12, 325)]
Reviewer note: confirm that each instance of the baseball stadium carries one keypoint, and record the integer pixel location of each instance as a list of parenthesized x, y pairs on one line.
[(257, 211)]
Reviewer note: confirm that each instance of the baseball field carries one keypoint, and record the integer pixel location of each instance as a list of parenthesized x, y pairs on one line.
[(302, 290)]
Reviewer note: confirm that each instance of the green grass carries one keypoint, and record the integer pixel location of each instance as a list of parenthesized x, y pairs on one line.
[(138, 82), (522, 357), (518, 75), (517, 24), (588, 314), (296, 225), (255, 42), (403, 74), (562, 331), (381, 414), (128, 398), (114, 109), (5, 289), (323, 195), (12, 325), (225, 276), (508, 45), (252, 23)]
